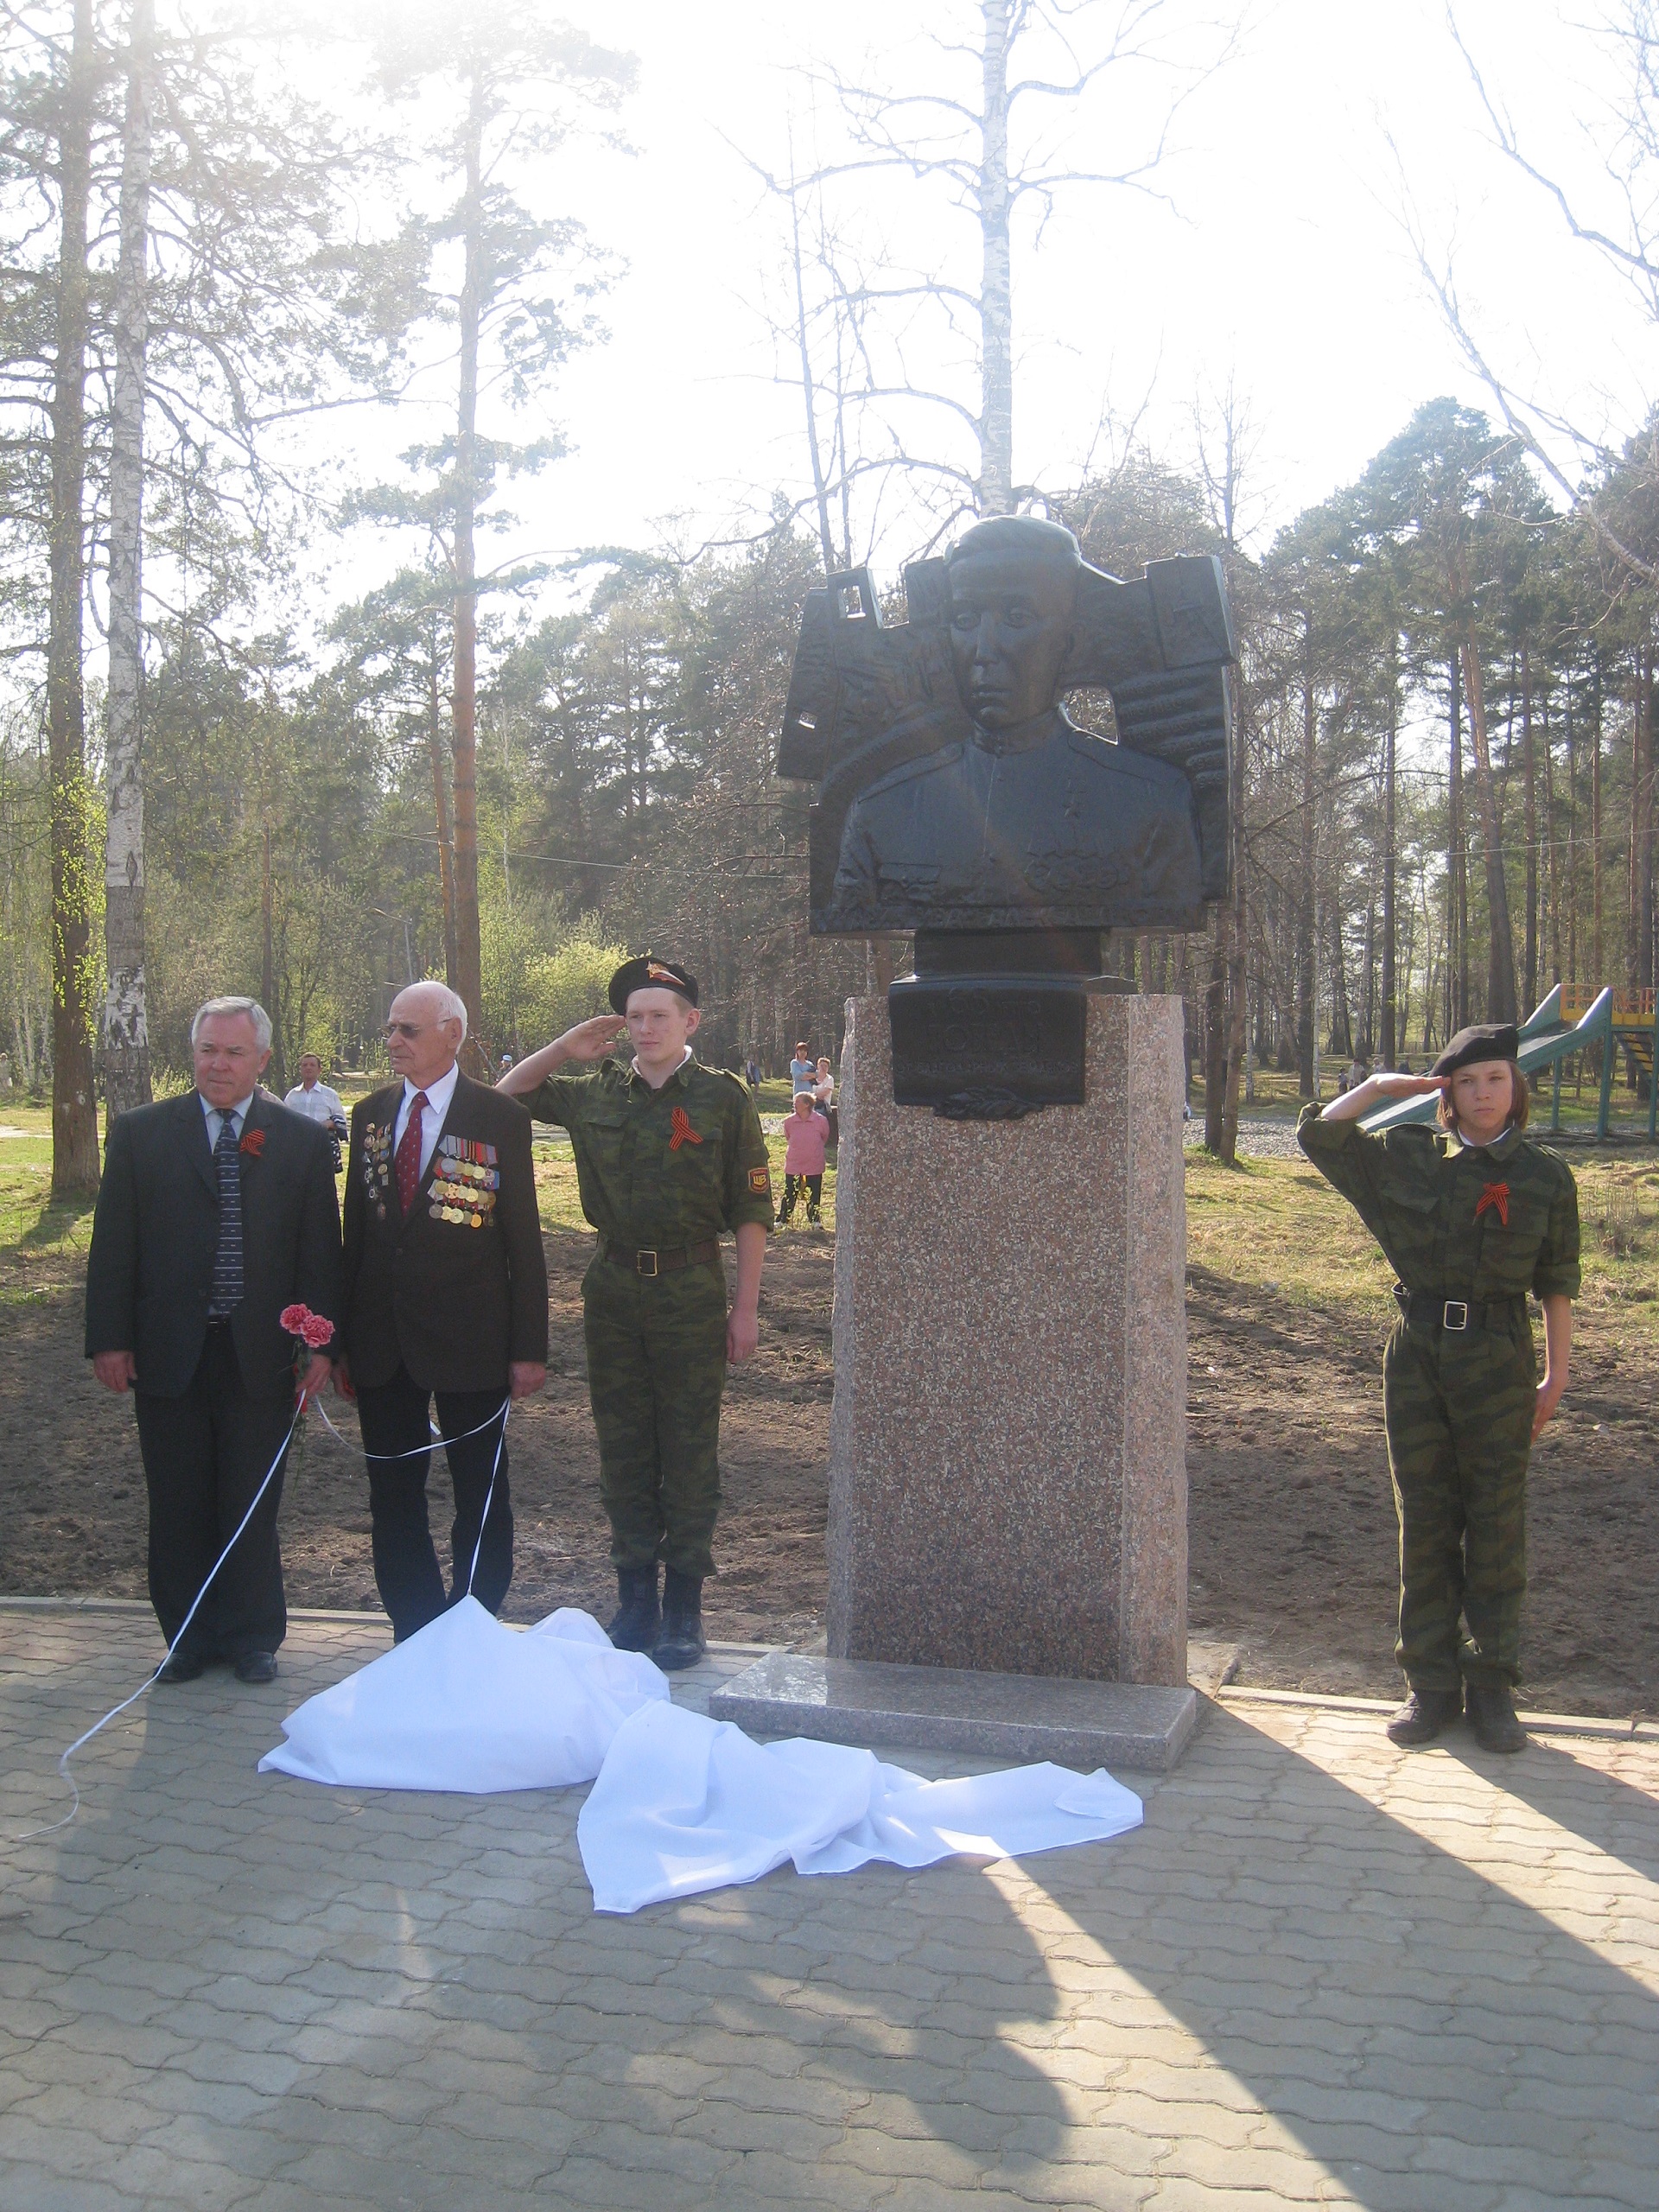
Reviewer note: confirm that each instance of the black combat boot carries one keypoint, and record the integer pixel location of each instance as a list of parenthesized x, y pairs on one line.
[(681, 1642), (1422, 1716), (639, 1619), (1490, 1709)]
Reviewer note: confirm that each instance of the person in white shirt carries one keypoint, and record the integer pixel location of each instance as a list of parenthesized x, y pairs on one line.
[(314, 1098)]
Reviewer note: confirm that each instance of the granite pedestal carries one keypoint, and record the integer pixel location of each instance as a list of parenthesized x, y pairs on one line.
[(1008, 1472)]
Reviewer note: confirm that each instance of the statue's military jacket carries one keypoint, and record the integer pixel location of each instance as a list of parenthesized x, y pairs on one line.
[(1455, 1221), (658, 1170), (1071, 832)]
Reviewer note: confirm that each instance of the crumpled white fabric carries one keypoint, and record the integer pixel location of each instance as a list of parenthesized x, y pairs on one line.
[(467, 1705), (683, 1804)]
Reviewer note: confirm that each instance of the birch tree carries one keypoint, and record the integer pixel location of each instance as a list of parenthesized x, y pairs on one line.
[(127, 1035), (990, 147)]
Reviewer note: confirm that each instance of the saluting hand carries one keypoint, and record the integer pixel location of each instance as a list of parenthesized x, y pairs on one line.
[(1406, 1086), (591, 1040)]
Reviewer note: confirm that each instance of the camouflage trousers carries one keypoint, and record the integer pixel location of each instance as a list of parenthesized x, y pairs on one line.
[(1458, 1410), (656, 1370)]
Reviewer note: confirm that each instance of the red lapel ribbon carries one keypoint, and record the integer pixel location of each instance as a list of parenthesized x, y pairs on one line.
[(253, 1142), (682, 1132), (1495, 1194)]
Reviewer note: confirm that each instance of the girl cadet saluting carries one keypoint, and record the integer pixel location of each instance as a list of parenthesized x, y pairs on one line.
[(1470, 1219)]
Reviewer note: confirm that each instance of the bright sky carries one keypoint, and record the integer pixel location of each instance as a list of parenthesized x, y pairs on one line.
[(1284, 264)]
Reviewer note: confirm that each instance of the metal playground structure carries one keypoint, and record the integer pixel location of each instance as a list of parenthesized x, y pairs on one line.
[(1574, 1018)]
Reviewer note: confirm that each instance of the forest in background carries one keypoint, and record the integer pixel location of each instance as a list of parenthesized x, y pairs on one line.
[(1444, 778)]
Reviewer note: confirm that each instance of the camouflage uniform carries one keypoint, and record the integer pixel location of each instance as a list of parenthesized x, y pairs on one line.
[(659, 1171), (1458, 1403)]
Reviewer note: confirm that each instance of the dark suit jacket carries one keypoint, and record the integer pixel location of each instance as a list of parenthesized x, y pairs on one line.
[(452, 1302), (151, 1271)]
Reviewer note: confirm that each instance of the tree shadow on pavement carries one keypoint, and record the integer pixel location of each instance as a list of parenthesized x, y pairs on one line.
[(1375, 1975)]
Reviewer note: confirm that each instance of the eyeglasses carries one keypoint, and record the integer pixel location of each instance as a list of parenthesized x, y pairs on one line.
[(406, 1029)]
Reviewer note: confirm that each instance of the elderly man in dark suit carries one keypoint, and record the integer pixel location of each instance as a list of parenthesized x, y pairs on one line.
[(216, 1211), (446, 1297)]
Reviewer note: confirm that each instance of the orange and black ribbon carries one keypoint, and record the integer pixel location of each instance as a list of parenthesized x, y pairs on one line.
[(1495, 1194), (682, 1130)]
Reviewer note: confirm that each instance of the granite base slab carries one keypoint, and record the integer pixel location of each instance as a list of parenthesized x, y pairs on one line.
[(1018, 1718)]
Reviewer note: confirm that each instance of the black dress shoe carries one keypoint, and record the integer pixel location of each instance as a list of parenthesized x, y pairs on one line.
[(1422, 1716), (256, 1667), (1490, 1709), (180, 1667), (681, 1642), (638, 1617)]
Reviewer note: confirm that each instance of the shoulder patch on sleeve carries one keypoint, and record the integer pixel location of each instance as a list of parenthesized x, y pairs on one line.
[(761, 1182)]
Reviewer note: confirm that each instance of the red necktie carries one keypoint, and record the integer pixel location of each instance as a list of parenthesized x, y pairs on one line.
[(408, 1153)]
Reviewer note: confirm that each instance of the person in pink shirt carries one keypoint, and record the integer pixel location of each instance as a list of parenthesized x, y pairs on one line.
[(805, 1134)]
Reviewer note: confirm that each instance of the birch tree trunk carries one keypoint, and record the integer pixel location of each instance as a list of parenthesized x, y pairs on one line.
[(1529, 771), (1306, 950), (74, 1109), (1393, 1031), (468, 976), (126, 1036), (1500, 943), (996, 272)]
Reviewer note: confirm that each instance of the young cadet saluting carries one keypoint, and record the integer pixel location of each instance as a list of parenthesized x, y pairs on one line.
[(669, 1153), (1471, 1220)]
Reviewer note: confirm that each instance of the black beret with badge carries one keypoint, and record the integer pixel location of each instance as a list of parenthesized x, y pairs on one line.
[(1482, 1041), (647, 973)]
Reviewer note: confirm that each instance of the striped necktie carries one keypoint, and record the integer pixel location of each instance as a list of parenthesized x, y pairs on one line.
[(227, 1254)]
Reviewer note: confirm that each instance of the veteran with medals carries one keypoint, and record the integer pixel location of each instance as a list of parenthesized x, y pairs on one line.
[(669, 1154), (445, 1299)]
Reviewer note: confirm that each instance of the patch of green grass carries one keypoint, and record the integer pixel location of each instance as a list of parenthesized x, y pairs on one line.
[(1276, 1225)]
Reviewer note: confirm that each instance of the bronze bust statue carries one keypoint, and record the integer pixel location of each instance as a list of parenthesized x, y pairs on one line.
[(957, 795)]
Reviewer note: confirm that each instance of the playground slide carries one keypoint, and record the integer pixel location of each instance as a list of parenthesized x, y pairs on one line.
[(1547, 1037)]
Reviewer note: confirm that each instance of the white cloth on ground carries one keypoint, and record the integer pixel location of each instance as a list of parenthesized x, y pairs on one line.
[(684, 1804), (466, 1704), (681, 1804)]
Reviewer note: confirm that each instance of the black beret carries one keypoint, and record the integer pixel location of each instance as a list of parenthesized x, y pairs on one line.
[(1482, 1041), (647, 973)]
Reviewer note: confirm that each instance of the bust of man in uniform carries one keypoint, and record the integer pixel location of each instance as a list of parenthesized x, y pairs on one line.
[(1026, 822)]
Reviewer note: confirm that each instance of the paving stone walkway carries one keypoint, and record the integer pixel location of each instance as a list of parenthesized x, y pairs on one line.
[(1323, 1972)]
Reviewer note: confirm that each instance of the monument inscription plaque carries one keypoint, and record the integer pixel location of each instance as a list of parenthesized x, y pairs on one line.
[(986, 1048)]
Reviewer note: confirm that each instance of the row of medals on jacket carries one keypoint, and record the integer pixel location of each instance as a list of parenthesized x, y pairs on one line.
[(463, 1191)]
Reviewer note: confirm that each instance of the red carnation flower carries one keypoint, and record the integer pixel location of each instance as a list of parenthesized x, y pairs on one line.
[(253, 1142), (316, 1331), (293, 1318)]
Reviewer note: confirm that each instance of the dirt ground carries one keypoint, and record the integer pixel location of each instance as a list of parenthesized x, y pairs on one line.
[(1293, 1540)]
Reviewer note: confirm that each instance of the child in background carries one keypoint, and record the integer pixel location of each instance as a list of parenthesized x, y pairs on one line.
[(805, 1134), (824, 1093)]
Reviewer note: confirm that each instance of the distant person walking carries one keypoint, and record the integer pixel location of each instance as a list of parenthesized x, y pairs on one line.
[(314, 1098), (824, 1092), (805, 1134)]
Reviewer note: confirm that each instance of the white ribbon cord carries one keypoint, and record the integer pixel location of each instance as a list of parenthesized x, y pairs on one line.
[(115, 1711)]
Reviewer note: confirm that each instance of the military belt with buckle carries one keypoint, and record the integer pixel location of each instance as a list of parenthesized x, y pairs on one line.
[(652, 1263), (1455, 1315)]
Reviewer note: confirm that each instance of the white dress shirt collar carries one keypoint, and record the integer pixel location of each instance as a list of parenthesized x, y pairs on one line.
[(438, 1095), (215, 1118)]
